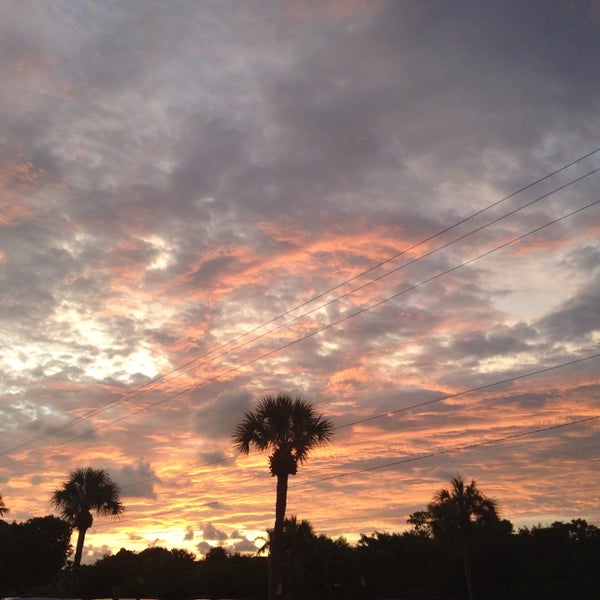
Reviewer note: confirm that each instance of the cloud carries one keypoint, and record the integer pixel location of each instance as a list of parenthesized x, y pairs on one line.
[(576, 318), (210, 532), (229, 196), (482, 345), (218, 417), (244, 546), (217, 506), (586, 259), (203, 548), (214, 457), (136, 480), (91, 554)]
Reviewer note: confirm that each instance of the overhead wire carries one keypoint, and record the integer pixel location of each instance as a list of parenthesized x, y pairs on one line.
[(408, 408), (346, 317), (140, 391), (411, 407), (178, 371), (452, 450), (326, 326), (411, 459)]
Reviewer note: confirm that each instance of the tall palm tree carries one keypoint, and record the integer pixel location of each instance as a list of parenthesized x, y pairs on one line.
[(455, 513), (289, 429), (3, 509), (86, 490)]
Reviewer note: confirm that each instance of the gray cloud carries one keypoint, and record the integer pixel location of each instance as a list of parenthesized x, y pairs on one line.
[(217, 417), (486, 344), (210, 532), (576, 318), (214, 457), (244, 546), (203, 547), (137, 480), (218, 506)]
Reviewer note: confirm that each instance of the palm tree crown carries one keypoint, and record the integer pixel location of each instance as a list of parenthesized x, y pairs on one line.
[(86, 490), (289, 428), (460, 508)]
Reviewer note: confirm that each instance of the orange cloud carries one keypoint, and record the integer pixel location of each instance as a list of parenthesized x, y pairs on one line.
[(18, 178)]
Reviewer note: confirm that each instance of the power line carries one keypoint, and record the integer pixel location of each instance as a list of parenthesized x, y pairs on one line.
[(450, 450), (431, 454), (423, 256), (420, 405), (329, 325), (159, 380), (417, 405), (469, 391), (420, 457)]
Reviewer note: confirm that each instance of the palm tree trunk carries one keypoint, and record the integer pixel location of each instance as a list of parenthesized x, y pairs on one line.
[(276, 555), (468, 567), (79, 548)]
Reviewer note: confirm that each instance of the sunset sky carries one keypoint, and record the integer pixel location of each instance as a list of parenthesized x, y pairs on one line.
[(389, 208)]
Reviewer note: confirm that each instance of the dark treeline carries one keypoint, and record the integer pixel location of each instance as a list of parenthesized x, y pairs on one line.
[(550, 562), (32, 554), (458, 548)]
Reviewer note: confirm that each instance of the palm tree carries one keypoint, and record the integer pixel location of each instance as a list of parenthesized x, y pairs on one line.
[(289, 429), (455, 513), (3, 509), (86, 490)]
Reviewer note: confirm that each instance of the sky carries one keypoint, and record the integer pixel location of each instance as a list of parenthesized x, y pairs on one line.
[(384, 207)]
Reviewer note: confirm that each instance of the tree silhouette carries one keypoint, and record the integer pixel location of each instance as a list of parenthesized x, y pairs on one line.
[(297, 544), (3, 509), (455, 513), (32, 553), (289, 429), (421, 523), (86, 490)]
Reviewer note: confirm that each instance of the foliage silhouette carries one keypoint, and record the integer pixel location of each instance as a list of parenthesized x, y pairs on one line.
[(455, 513), (289, 429), (313, 566), (3, 508), (86, 490), (155, 572), (542, 563), (421, 523), (32, 554), (558, 561)]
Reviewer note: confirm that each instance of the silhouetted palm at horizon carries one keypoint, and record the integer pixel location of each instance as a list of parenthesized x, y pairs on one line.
[(289, 429), (86, 490), (453, 513)]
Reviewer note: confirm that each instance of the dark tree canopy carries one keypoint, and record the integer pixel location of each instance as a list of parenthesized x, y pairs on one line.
[(32, 553), (551, 562), (454, 513)]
